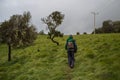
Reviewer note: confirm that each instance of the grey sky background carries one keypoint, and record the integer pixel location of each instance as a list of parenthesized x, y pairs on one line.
[(78, 17)]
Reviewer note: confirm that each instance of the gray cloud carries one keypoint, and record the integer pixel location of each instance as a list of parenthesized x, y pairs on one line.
[(78, 17)]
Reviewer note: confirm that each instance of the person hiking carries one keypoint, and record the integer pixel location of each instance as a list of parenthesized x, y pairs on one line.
[(71, 48)]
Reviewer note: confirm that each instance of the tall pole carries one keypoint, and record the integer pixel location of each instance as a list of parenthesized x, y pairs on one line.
[(94, 13)]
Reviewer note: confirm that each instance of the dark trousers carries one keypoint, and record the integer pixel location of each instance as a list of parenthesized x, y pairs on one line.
[(71, 58)]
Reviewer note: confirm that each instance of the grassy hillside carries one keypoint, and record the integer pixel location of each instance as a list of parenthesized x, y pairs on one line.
[(98, 58)]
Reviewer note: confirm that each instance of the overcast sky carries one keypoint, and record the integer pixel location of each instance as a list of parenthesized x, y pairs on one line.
[(78, 16)]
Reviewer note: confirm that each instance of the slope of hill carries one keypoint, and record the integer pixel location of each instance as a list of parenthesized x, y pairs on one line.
[(98, 58)]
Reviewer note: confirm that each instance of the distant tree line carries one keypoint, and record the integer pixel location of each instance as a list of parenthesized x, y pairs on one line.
[(41, 32), (57, 33), (109, 27)]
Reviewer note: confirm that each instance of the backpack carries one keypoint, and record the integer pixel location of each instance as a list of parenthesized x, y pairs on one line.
[(70, 44)]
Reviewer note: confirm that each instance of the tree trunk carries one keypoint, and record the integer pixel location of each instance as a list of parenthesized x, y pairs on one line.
[(54, 40), (9, 52)]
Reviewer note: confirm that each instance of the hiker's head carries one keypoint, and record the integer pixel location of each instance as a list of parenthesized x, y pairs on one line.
[(71, 36)]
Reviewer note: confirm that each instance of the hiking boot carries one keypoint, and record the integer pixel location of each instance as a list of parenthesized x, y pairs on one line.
[(71, 66)]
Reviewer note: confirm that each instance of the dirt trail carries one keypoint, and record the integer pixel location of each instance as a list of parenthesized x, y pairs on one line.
[(68, 72)]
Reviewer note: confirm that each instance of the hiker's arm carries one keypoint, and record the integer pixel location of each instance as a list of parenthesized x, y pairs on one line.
[(66, 46), (75, 46)]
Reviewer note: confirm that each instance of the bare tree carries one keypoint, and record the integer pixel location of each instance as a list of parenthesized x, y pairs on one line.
[(53, 21)]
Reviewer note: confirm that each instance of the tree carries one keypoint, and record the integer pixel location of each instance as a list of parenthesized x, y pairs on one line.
[(0, 35), (84, 32), (42, 32), (116, 27), (17, 31), (53, 21), (99, 30), (107, 26), (77, 33), (58, 34)]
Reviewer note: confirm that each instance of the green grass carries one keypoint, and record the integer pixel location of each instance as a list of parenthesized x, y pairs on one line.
[(98, 58)]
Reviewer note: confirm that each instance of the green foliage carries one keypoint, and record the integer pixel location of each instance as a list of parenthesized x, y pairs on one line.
[(109, 27), (42, 32), (77, 33), (116, 26), (18, 31), (84, 32), (58, 34), (97, 58)]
